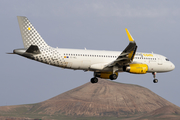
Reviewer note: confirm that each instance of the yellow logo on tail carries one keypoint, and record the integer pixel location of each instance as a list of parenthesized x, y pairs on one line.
[(29, 28)]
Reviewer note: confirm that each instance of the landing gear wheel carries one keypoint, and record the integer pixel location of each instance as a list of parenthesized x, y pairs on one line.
[(155, 80), (154, 76), (94, 80), (113, 76)]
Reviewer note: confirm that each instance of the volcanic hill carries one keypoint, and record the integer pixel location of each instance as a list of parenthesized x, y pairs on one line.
[(105, 98)]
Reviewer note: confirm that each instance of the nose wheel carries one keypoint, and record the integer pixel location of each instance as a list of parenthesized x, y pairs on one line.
[(155, 80), (154, 76)]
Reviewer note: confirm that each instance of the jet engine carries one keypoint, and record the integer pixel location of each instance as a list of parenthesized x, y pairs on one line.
[(136, 68)]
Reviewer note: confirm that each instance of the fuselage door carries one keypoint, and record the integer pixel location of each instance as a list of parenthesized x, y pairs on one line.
[(160, 60)]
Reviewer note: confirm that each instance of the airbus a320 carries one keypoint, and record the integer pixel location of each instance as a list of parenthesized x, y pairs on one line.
[(104, 64)]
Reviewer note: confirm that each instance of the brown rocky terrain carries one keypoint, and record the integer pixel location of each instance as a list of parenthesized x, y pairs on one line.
[(105, 98)]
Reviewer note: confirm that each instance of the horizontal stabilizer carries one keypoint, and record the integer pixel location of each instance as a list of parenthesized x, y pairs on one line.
[(33, 49), (10, 53)]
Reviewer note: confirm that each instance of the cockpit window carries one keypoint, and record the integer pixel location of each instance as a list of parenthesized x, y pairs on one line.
[(167, 59)]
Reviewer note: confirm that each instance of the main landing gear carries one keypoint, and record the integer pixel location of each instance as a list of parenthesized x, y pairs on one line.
[(154, 75), (113, 77), (94, 80)]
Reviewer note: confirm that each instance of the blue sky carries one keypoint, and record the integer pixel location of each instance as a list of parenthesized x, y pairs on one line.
[(92, 24)]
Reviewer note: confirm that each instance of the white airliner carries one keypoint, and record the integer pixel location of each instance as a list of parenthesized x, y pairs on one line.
[(104, 64)]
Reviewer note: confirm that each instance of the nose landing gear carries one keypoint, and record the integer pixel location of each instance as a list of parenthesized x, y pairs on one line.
[(154, 76)]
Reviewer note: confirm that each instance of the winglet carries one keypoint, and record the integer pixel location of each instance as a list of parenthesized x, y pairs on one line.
[(129, 35)]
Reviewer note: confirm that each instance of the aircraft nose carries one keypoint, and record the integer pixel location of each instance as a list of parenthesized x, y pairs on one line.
[(172, 66)]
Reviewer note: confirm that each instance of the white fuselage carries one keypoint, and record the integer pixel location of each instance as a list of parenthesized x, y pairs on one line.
[(94, 60), (105, 64)]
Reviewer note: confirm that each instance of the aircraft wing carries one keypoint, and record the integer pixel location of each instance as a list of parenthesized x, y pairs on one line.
[(127, 55)]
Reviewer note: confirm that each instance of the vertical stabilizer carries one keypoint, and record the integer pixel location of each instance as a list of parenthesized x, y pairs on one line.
[(29, 34)]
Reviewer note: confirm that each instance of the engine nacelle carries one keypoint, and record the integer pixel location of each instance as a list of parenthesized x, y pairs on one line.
[(136, 68), (104, 75)]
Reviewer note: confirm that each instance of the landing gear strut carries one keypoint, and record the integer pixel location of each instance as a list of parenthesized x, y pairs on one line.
[(94, 80), (114, 75), (154, 75)]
